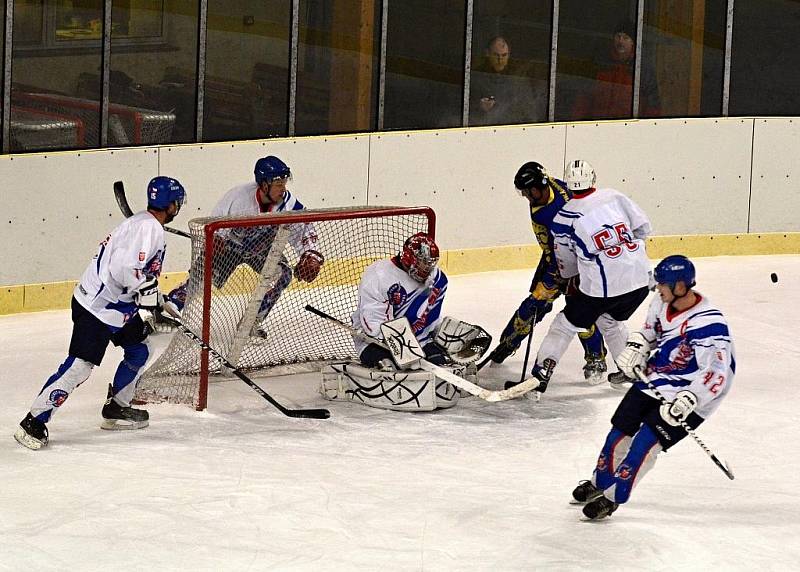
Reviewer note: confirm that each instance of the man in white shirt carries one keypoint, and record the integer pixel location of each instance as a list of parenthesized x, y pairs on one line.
[(112, 303)]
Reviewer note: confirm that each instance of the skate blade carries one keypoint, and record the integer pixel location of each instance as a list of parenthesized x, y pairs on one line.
[(26, 440), (122, 425)]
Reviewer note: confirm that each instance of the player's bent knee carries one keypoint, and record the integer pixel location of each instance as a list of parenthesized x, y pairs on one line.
[(136, 355), (396, 390)]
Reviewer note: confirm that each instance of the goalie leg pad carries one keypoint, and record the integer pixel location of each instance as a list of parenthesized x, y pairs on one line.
[(394, 390)]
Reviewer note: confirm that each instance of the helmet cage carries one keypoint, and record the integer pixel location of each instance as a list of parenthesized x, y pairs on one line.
[(420, 256)]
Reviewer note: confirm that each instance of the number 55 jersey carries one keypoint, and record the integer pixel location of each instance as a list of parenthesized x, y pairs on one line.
[(600, 235)]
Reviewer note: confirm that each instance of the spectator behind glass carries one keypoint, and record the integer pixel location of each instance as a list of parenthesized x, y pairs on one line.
[(611, 96), (501, 90)]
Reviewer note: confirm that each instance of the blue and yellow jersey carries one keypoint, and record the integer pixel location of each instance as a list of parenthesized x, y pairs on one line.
[(541, 221)]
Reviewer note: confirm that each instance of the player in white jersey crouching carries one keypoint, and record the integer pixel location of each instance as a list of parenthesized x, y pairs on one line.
[(113, 302), (408, 288), (267, 193), (685, 350), (598, 236)]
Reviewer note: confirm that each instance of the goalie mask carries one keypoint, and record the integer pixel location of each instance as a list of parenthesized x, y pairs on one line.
[(419, 256)]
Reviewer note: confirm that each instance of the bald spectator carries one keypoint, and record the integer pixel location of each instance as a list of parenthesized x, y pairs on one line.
[(501, 90)]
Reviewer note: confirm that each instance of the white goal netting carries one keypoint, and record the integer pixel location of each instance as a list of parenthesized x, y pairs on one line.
[(243, 300)]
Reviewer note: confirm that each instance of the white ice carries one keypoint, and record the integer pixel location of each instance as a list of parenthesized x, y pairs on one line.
[(479, 487)]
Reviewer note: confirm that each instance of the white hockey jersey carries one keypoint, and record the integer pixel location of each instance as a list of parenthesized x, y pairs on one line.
[(693, 351), (241, 200), (600, 235), (387, 292), (132, 253)]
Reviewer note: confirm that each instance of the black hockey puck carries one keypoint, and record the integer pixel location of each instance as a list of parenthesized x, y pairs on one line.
[(773, 277)]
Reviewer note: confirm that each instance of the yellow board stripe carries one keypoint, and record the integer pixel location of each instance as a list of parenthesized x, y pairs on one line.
[(56, 295)]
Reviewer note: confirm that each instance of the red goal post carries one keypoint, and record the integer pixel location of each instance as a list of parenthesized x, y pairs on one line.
[(241, 263)]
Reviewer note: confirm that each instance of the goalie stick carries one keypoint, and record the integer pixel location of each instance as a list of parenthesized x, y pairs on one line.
[(449, 377), (300, 413), (724, 467), (122, 201)]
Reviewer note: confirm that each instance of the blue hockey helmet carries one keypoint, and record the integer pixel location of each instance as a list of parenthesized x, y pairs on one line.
[(673, 269), (162, 191), (270, 168)]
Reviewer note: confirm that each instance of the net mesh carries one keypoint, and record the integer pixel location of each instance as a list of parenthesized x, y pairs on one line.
[(255, 309)]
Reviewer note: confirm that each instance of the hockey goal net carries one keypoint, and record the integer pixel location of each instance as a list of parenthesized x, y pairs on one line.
[(239, 263)]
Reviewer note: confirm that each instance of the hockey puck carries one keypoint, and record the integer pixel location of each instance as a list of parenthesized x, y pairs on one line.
[(773, 277)]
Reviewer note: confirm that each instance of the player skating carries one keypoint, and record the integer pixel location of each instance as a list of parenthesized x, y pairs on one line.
[(686, 351), (546, 196), (112, 303), (599, 237), (268, 193)]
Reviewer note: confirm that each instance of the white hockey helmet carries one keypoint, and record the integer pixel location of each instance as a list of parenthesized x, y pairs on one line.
[(579, 175)]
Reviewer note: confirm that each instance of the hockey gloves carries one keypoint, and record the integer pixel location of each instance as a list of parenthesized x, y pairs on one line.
[(678, 410), (635, 354), (148, 296), (309, 266)]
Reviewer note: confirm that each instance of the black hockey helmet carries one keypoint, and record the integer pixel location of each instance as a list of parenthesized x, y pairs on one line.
[(531, 175)]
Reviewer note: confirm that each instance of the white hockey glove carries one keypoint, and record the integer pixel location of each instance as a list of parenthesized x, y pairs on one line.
[(679, 408), (635, 354), (463, 342), (148, 295)]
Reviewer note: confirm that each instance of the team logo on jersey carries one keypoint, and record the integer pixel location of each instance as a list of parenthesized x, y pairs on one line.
[(153, 267), (624, 472), (397, 294), (58, 397)]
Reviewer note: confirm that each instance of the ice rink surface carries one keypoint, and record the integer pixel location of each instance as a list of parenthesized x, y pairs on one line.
[(478, 487)]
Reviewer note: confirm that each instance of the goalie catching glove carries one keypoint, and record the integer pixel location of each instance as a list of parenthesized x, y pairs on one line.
[(308, 266), (637, 350), (464, 343)]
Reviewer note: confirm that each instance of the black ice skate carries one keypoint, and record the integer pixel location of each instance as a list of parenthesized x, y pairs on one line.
[(541, 372), (599, 508), (31, 433), (620, 381), (594, 369), (119, 418), (585, 492), (501, 353)]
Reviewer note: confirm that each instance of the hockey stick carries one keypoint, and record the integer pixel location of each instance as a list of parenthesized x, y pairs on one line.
[(122, 201), (724, 467), (301, 413), (449, 377), (528, 347)]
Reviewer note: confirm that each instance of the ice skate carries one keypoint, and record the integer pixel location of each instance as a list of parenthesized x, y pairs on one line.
[(585, 492), (594, 369), (620, 381), (541, 372), (599, 508), (31, 433), (119, 418)]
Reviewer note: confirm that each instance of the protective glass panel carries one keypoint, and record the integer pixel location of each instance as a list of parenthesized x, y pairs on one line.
[(424, 64), (337, 68), (510, 62), (683, 58), (52, 104), (247, 70), (596, 53), (765, 67), (137, 19), (152, 88)]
